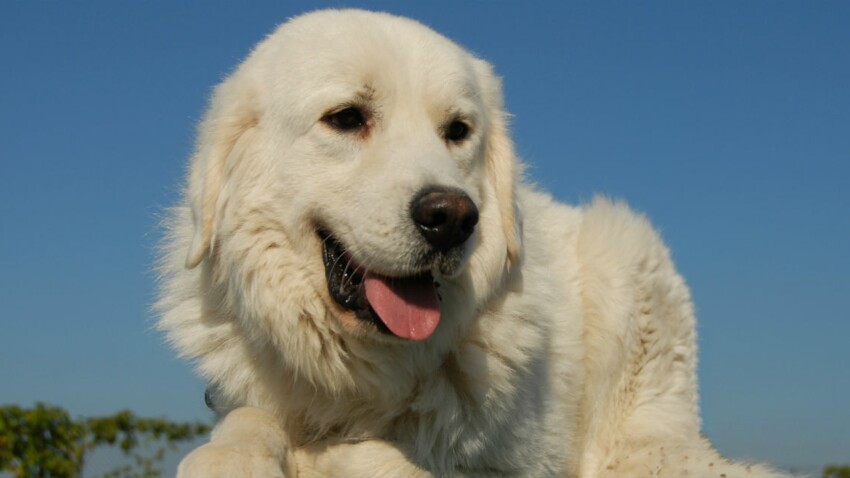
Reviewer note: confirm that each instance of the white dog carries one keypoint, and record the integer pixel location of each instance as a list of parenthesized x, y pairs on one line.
[(372, 291)]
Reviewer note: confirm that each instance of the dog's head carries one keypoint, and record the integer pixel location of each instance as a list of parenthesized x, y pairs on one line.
[(359, 160)]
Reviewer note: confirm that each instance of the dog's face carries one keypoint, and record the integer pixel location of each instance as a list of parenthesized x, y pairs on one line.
[(365, 155)]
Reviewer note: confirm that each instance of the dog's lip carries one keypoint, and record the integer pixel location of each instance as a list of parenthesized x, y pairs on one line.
[(345, 278)]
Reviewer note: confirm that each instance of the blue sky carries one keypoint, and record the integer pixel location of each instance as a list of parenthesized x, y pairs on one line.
[(727, 123)]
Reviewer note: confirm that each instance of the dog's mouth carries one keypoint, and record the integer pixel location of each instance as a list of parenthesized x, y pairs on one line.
[(406, 307)]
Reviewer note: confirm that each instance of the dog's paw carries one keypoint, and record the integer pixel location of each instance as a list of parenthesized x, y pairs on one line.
[(214, 461)]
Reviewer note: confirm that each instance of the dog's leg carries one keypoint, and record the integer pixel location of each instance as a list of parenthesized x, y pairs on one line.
[(697, 460), (248, 443), (368, 459)]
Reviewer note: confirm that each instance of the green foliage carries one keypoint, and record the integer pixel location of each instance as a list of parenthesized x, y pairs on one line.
[(45, 442), (39, 442), (834, 471)]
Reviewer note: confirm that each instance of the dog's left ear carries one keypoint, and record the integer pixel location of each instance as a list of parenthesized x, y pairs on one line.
[(503, 167)]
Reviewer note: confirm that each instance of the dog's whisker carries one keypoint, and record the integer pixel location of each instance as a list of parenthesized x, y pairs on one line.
[(342, 253), (348, 278)]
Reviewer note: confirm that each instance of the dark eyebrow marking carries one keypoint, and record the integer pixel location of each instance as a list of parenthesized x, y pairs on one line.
[(366, 94)]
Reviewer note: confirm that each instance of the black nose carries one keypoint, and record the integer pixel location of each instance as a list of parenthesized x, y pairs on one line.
[(445, 217)]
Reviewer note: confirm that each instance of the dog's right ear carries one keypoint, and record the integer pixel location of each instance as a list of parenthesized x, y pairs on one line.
[(231, 114), (503, 167)]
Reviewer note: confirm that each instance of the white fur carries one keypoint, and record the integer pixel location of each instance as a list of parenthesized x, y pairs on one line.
[(566, 346)]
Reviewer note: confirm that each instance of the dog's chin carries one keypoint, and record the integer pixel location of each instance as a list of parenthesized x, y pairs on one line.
[(346, 280)]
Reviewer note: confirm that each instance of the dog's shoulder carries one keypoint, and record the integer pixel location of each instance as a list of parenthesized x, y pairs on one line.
[(613, 236), (606, 238), (626, 271)]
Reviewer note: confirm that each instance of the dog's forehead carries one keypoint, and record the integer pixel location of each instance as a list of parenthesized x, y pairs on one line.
[(349, 50)]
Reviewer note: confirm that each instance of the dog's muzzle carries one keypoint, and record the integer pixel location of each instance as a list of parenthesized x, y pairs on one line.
[(406, 307)]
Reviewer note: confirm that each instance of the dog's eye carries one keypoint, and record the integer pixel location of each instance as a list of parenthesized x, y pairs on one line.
[(349, 119), (457, 131)]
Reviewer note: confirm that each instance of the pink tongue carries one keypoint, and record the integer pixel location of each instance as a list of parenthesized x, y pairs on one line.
[(409, 307)]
